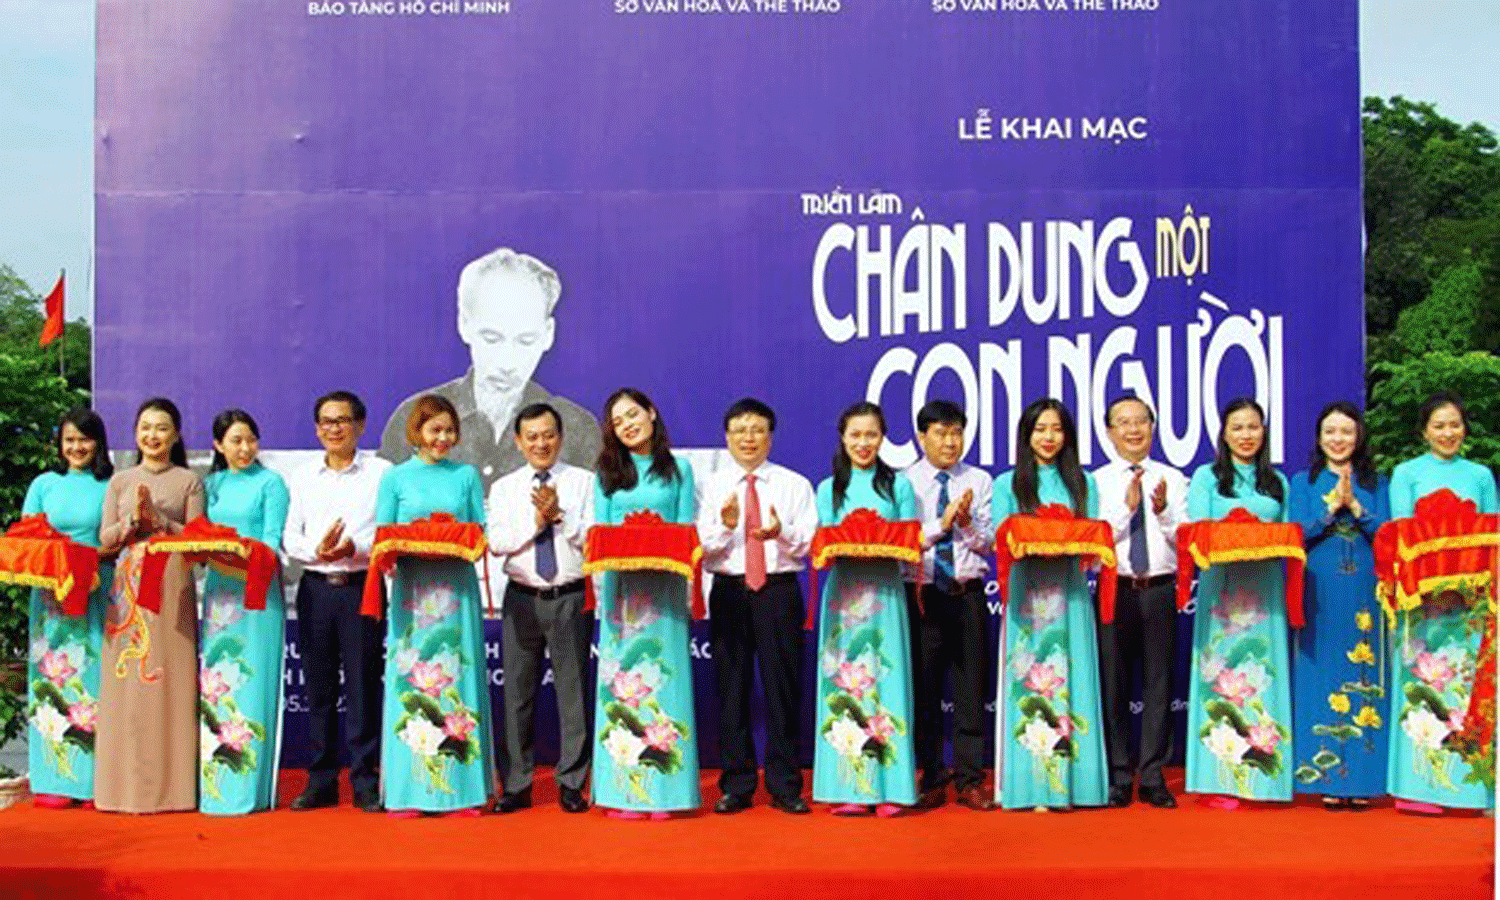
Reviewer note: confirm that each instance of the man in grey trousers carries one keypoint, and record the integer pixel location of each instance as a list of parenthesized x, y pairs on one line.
[(538, 518)]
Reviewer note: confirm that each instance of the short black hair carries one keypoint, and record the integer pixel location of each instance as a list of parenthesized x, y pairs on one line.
[(749, 406), (536, 411), (356, 405), (1109, 411), (940, 412)]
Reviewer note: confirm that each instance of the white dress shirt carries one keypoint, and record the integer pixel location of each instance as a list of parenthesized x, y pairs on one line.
[(778, 486), (1113, 479), (321, 496), (513, 529), (970, 542)]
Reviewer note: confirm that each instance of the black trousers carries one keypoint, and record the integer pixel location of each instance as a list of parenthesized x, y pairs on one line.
[(950, 634), (1141, 642), (333, 635), (762, 626)]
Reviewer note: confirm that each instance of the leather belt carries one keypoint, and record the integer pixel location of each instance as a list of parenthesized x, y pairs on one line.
[(335, 579), (547, 593), (1141, 583)]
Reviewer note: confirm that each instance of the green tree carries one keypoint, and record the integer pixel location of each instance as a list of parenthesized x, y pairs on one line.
[(1432, 202), (32, 398), (1403, 386)]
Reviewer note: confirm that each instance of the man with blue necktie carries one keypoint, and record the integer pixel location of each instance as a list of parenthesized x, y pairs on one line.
[(539, 516), (1144, 501), (951, 624)]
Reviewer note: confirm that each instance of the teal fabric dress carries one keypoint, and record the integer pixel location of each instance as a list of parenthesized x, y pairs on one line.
[(437, 753), (1435, 647), (1339, 701), (1240, 683), (863, 750), (62, 673), (645, 733), (1049, 735), (243, 654)]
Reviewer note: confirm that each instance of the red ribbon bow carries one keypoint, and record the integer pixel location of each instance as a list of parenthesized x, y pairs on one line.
[(201, 541), (35, 554), (439, 536), (1053, 530), (645, 541), (1239, 537), (863, 534)]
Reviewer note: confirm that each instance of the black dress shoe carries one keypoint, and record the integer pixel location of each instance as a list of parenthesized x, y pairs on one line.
[(1157, 795), (509, 803), (369, 801), (314, 800), (794, 805), (732, 803), (1119, 795), (572, 800)]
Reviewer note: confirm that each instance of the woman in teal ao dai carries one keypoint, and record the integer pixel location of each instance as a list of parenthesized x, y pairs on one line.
[(1338, 693), (645, 736), (243, 651), (863, 753), (1436, 646), (1239, 685), (62, 674), (437, 744), (1049, 739)]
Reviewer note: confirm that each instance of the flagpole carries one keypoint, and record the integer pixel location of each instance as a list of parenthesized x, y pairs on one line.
[(62, 338)]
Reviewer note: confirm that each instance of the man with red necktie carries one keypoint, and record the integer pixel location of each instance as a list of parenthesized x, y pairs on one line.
[(755, 523)]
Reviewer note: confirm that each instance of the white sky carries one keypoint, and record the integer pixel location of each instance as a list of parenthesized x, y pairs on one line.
[(1443, 51)]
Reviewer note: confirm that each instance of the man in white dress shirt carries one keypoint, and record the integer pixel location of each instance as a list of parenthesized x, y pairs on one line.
[(538, 518), (330, 526), (756, 523), (1144, 501), (951, 626)]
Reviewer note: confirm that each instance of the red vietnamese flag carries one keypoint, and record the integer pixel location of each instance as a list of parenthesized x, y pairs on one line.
[(52, 329)]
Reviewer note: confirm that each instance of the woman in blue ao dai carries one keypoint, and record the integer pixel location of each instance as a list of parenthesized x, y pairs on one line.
[(243, 650), (1339, 703), (645, 734), (1239, 685), (863, 753), (1435, 647), (63, 664), (437, 746), (1049, 739)]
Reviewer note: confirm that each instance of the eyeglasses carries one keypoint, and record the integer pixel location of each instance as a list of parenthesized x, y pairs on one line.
[(340, 422), (752, 431)]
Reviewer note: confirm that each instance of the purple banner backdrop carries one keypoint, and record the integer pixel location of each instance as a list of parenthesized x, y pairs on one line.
[(812, 201)]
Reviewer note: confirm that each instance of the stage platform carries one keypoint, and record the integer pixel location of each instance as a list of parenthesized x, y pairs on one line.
[(1301, 851)]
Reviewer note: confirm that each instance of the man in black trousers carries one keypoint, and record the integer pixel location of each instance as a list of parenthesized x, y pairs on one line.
[(756, 523), (330, 526), (950, 627), (1144, 501)]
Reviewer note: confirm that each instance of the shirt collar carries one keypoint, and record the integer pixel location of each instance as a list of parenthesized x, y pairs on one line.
[(353, 468)]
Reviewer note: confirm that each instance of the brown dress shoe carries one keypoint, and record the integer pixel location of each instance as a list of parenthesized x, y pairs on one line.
[(933, 798), (975, 797)]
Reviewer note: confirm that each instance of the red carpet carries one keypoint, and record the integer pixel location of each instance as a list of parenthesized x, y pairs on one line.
[(950, 853)]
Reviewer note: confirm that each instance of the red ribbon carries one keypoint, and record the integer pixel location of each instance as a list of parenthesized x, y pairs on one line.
[(202, 541), (645, 542), (1053, 531), (33, 550), (1239, 537), (439, 536), (863, 534)]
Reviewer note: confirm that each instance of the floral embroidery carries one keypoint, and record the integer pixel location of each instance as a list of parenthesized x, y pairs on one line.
[(1327, 761), (1439, 665), (1235, 674), (62, 710), (638, 734), (436, 725), (229, 741), (1045, 724), (856, 723)]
